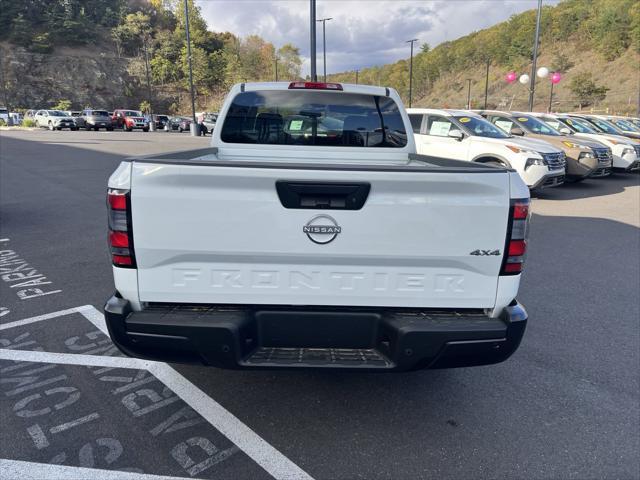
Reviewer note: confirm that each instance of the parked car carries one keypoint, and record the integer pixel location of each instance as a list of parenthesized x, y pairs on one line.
[(623, 123), (208, 123), (94, 119), (54, 120), (129, 120), (30, 114), (4, 114), (605, 126), (160, 121), (73, 113), (462, 135), (282, 246), (581, 156), (185, 124), (625, 151)]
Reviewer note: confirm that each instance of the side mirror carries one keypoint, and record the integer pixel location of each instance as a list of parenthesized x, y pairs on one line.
[(457, 134), (517, 131), (565, 131)]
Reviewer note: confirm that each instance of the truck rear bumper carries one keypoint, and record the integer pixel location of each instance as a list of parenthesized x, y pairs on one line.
[(264, 336)]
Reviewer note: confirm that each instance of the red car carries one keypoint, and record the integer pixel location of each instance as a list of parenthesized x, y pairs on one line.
[(129, 119)]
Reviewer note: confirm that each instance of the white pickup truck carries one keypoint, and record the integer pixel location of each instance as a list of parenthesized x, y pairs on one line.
[(311, 234)]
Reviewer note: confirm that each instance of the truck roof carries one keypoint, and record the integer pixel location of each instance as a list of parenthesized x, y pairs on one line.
[(447, 112), (346, 87)]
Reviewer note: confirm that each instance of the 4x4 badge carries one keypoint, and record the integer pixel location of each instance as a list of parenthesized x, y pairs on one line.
[(485, 253)]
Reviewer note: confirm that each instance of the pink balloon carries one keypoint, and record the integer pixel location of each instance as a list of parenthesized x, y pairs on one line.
[(511, 77), (556, 77)]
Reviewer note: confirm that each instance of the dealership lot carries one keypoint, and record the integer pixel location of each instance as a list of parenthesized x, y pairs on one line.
[(565, 405)]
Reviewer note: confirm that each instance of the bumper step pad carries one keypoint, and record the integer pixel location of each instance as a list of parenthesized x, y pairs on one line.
[(318, 357)]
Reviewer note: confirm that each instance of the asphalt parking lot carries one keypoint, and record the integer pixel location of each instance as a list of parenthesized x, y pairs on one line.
[(566, 405)]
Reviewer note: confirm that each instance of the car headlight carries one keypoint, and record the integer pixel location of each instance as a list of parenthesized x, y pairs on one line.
[(534, 161), (628, 150), (586, 155), (574, 145), (516, 149)]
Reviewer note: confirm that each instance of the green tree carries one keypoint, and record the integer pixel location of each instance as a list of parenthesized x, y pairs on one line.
[(62, 104), (586, 90), (290, 63)]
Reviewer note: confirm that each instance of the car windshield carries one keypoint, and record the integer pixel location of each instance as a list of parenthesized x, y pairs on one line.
[(100, 113), (578, 125), (605, 126), (132, 113), (625, 125), (533, 125), (307, 117), (57, 113), (480, 127)]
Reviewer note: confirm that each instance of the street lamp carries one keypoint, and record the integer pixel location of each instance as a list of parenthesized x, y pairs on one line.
[(312, 39), (324, 45), (194, 126), (532, 85), (468, 94), (411, 68)]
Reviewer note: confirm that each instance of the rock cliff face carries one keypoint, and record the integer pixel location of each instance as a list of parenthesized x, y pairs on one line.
[(88, 78)]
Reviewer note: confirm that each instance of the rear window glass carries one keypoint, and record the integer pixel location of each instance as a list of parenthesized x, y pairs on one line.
[(290, 117), (99, 113)]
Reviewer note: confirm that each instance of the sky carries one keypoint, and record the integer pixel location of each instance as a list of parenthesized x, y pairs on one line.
[(362, 33)]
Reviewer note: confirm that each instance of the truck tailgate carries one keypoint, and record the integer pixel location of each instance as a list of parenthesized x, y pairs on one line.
[(221, 235)]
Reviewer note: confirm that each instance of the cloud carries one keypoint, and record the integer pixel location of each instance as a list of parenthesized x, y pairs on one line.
[(361, 33)]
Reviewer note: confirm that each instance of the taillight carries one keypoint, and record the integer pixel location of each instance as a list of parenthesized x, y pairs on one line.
[(315, 86), (517, 233), (120, 233)]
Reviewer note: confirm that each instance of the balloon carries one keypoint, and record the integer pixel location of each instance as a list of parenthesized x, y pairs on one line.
[(524, 79), (556, 77), (543, 72), (511, 77)]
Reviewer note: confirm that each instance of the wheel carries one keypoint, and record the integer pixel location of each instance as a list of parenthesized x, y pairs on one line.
[(87, 128), (145, 129), (110, 129), (73, 129), (127, 129), (96, 128), (51, 126), (180, 129)]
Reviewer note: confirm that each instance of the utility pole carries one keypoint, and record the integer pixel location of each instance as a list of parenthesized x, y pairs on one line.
[(356, 77), (486, 84), (4, 90), (312, 39), (195, 130), (532, 86), (324, 45), (468, 94), (152, 123), (550, 98), (411, 69)]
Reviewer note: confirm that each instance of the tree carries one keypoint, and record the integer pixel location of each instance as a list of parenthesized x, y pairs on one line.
[(290, 62), (145, 107), (63, 104), (586, 90)]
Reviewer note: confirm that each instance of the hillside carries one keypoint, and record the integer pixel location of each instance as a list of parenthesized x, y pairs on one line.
[(97, 53), (585, 40)]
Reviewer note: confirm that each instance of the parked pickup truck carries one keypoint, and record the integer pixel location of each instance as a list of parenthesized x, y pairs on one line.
[(311, 234)]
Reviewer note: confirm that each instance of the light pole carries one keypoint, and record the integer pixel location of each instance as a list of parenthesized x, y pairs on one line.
[(152, 123), (324, 45), (312, 39), (532, 85), (356, 77), (468, 94), (194, 126), (486, 84), (411, 69)]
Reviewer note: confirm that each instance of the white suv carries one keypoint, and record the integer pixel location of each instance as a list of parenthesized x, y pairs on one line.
[(625, 151), (462, 135)]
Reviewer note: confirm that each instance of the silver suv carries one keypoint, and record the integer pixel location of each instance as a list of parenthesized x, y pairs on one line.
[(54, 120), (94, 119)]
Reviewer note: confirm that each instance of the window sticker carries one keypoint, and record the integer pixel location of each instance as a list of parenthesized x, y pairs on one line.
[(523, 119), (296, 125), (440, 129), (464, 120), (569, 121)]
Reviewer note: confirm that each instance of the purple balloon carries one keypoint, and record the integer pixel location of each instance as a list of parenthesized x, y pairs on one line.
[(556, 77), (511, 77)]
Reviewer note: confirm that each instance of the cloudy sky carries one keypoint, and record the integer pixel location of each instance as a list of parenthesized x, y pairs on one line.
[(363, 32)]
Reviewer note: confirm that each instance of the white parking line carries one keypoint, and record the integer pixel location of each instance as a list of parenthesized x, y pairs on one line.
[(254, 446), (18, 470)]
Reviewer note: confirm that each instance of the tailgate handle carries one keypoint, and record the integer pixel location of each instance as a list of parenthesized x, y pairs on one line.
[(328, 196)]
